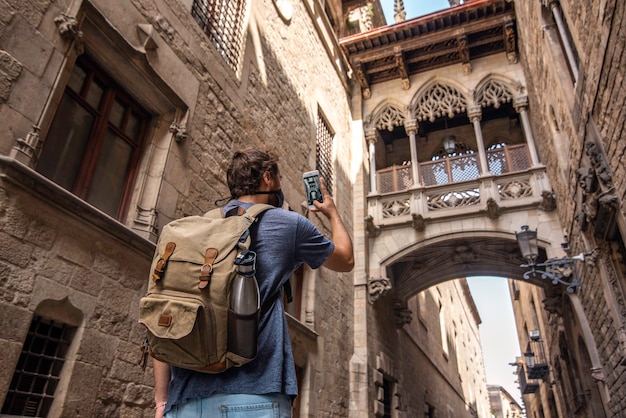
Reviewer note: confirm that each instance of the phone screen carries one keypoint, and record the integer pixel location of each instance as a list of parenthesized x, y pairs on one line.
[(312, 187)]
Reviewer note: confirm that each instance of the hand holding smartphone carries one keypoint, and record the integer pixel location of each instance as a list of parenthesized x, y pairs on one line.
[(312, 188)]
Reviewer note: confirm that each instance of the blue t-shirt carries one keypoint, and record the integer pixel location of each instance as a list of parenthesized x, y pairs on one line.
[(283, 240)]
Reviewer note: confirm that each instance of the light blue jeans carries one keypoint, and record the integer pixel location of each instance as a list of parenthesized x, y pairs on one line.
[(234, 406)]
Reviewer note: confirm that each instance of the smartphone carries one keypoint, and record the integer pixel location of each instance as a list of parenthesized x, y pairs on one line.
[(312, 189)]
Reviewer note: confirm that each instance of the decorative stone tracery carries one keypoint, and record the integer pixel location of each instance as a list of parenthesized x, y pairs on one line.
[(494, 93), (438, 101), (389, 118)]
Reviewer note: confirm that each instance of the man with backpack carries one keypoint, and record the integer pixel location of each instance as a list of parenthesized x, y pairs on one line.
[(282, 240)]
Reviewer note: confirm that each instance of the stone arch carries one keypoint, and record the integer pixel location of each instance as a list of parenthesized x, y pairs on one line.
[(438, 98), (425, 262), (387, 116), (495, 90), (61, 311)]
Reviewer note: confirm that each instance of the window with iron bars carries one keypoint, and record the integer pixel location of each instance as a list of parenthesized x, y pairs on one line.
[(324, 152), (38, 369), (222, 21)]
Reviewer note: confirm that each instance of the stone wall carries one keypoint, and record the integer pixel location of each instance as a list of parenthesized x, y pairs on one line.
[(58, 248), (449, 378), (575, 115)]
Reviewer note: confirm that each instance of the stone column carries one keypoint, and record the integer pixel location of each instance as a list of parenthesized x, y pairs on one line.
[(410, 126), (371, 138), (475, 114), (521, 104)]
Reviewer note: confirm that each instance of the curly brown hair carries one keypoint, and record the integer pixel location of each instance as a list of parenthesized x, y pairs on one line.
[(246, 170)]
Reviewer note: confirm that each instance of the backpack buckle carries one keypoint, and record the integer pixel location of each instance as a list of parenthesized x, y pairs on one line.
[(207, 268)]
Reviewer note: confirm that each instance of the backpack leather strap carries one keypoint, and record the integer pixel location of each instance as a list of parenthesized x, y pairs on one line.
[(207, 268), (159, 269)]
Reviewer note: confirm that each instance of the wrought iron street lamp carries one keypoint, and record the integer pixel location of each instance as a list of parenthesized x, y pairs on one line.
[(529, 357), (556, 269)]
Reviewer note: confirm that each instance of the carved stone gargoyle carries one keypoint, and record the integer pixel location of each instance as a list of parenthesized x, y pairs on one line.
[(378, 287), (371, 229)]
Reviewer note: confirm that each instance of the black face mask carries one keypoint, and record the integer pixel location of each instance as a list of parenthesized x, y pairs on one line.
[(278, 198)]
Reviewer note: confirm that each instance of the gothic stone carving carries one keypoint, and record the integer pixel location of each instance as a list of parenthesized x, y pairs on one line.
[(180, 133), (377, 288), (548, 201), (419, 224), (371, 229), (389, 117), (28, 147), (361, 75), (553, 305), (438, 101), (68, 28), (402, 314), (493, 210), (599, 202), (464, 54), (510, 42)]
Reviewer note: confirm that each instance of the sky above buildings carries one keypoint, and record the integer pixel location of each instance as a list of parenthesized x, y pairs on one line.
[(413, 8), (498, 334)]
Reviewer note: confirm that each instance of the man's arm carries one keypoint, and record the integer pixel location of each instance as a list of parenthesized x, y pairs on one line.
[(161, 383), (342, 258)]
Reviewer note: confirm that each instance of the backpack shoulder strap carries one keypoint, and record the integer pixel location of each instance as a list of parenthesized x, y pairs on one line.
[(277, 295), (254, 211), (257, 209)]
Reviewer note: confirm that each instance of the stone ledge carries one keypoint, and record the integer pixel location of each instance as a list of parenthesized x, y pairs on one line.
[(27, 179)]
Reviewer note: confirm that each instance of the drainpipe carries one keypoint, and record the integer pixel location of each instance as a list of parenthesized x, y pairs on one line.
[(563, 33)]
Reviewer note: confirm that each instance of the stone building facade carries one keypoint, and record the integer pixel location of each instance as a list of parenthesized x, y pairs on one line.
[(165, 92), (503, 405), (531, 93), (441, 136), (446, 362), (574, 55)]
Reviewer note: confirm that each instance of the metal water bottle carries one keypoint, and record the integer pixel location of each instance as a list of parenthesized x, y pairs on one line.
[(244, 307)]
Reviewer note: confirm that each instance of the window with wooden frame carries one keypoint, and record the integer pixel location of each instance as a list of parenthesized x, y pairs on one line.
[(324, 151), (95, 141), (223, 22), (38, 370)]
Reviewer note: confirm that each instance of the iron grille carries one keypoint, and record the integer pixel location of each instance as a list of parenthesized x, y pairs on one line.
[(449, 170), (324, 152), (222, 21), (394, 179), (504, 159), (38, 369)]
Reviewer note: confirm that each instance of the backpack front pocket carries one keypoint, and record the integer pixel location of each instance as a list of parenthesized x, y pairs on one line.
[(180, 330)]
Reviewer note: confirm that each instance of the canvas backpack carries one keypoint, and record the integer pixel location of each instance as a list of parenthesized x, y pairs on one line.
[(185, 309)]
